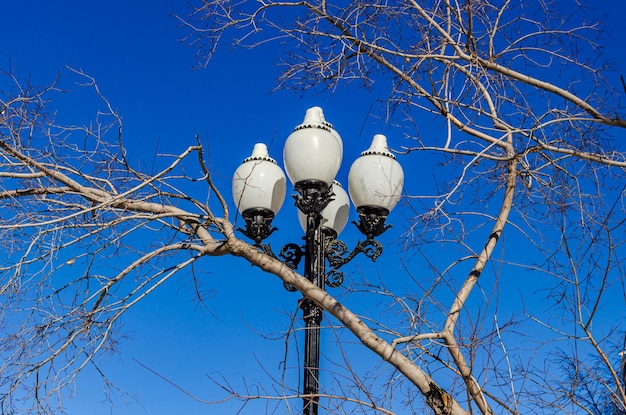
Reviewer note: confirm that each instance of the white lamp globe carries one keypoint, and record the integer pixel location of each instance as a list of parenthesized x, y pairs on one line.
[(335, 214), (336, 135), (376, 178), (313, 153), (258, 183)]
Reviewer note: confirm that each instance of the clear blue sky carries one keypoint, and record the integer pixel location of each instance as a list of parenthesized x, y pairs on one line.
[(132, 49)]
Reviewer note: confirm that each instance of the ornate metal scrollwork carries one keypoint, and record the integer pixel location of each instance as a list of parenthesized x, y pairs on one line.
[(291, 254), (337, 255), (313, 196), (334, 278), (371, 248), (336, 251)]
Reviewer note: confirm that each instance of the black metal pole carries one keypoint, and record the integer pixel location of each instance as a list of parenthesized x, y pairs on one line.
[(312, 313)]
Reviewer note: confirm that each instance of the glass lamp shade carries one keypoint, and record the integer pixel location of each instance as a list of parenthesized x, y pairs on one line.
[(258, 183), (376, 178), (313, 152), (335, 214)]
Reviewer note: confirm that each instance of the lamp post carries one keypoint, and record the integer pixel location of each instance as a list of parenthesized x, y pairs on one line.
[(312, 155)]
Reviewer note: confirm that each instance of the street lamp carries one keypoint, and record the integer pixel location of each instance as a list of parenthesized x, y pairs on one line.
[(312, 156)]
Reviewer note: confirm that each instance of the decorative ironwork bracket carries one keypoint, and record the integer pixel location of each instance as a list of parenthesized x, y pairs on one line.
[(336, 253), (337, 256), (312, 198)]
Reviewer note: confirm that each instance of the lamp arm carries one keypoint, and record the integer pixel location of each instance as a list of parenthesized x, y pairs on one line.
[(336, 251)]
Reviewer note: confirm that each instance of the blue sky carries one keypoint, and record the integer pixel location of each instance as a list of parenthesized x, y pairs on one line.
[(133, 51)]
